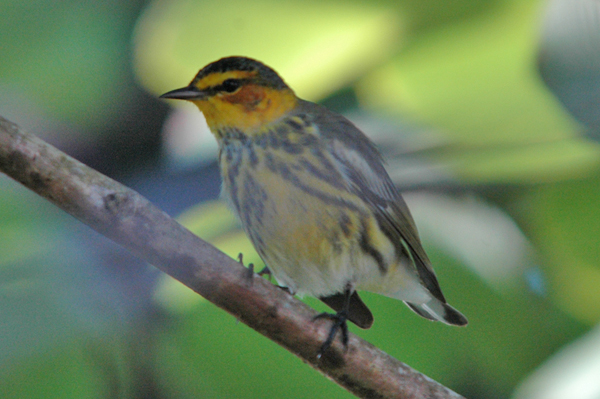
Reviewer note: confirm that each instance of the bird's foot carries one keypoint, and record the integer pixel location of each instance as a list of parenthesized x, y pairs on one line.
[(249, 270), (339, 324), (266, 272)]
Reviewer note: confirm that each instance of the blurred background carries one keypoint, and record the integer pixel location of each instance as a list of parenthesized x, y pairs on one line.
[(487, 112)]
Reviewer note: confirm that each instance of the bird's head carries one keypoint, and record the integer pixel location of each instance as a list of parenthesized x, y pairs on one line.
[(237, 92)]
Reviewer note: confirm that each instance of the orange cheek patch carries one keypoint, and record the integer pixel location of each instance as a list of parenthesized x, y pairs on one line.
[(249, 96)]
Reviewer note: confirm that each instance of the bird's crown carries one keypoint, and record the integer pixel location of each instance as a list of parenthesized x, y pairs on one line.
[(247, 68)]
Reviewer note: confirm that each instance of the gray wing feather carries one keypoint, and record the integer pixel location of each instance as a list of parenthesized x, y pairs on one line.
[(362, 165)]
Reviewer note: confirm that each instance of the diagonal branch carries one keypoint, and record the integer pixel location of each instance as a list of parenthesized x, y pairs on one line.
[(132, 221)]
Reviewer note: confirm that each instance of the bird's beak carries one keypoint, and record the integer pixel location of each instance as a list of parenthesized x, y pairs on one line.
[(185, 93)]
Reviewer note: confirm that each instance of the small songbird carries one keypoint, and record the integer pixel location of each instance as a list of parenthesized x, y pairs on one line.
[(311, 193)]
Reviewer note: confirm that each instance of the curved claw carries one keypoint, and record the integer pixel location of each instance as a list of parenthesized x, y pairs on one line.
[(250, 268), (339, 323)]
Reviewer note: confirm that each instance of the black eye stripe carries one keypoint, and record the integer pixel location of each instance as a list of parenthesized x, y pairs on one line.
[(230, 85), (227, 86)]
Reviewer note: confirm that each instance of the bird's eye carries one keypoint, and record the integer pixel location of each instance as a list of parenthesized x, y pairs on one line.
[(230, 85)]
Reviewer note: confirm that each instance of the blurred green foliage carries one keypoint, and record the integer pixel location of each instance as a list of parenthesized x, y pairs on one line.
[(79, 318), (561, 221), (69, 57)]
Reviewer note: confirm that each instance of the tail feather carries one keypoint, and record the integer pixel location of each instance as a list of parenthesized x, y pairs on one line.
[(439, 311), (421, 312)]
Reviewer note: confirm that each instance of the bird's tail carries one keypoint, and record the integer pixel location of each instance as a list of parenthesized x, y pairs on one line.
[(439, 311)]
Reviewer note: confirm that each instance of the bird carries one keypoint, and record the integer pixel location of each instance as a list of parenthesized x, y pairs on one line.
[(312, 194)]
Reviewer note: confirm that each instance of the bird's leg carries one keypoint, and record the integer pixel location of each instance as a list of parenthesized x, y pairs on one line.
[(339, 323)]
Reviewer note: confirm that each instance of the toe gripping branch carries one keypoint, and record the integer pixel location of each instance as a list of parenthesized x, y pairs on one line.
[(263, 272), (340, 302), (339, 323)]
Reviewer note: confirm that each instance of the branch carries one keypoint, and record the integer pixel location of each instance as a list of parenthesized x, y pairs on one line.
[(132, 221)]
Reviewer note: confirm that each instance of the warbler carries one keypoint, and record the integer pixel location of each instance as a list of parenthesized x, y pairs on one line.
[(313, 196)]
